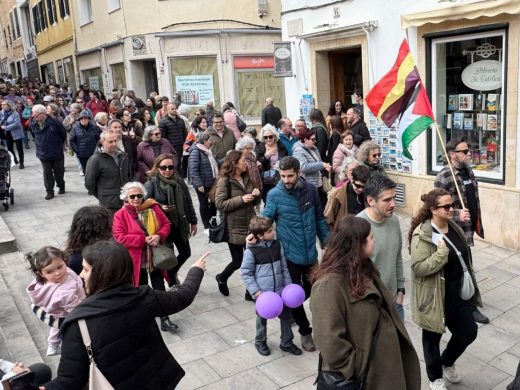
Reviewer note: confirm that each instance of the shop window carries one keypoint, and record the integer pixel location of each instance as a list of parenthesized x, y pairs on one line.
[(468, 98), (196, 79), (94, 78), (253, 87), (118, 76)]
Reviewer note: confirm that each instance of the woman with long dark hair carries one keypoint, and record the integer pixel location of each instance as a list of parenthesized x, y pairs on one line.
[(126, 343), (337, 108), (168, 189), (236, 195), (351, 309), (438, 246), (322, 134)]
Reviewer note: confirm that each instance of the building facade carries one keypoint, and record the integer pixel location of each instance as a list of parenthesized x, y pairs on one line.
[(52, 25), (224, 53), (467, 54), (12, 60)]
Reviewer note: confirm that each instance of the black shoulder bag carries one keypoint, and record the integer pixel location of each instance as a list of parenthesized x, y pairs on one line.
[(218, 231), (328, 380)]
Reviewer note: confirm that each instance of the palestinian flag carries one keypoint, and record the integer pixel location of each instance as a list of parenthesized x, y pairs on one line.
[(400, 94)]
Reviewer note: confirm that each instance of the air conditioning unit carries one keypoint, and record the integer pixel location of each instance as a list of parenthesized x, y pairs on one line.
[(262, 7)]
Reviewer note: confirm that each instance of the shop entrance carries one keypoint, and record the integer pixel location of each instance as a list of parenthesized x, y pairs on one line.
[(143, 77), (346, 74)]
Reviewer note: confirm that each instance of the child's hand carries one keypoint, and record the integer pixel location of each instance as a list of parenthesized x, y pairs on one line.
[(257, 294)]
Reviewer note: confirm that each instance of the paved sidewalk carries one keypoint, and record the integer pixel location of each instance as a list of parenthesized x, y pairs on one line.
[(214, 341)]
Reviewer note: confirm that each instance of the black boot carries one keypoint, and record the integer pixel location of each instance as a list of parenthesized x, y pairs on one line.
[(167, 325), (62, 190), (222, 286)]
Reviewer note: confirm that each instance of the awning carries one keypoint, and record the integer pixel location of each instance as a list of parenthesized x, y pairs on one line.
[(487, 8)]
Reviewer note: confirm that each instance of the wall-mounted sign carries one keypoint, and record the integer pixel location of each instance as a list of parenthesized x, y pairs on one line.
[(282, 59), (139, 45), (196, 89), (93, 82), (483, 75), (253, 62)]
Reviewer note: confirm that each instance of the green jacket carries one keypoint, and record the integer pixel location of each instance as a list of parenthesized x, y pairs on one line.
[(428, 261)]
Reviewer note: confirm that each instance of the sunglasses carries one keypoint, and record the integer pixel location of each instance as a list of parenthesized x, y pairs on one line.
[(313, 139), (156, 133), (268, 136), (360, 186), (446, 207), (463, 151), (167, 167), (376, 155), (138, 196)]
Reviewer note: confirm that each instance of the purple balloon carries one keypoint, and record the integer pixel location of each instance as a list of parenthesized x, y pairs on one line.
[(293, 295), (269, 305)]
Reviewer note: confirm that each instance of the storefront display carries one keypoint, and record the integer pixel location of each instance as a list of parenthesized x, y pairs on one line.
[(468, 99)]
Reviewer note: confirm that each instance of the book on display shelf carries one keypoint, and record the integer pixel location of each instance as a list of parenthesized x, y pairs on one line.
[(468, 122), (492, 101), (465, 102), (492, 122), (480, 102), (453, 102), (458, 119)]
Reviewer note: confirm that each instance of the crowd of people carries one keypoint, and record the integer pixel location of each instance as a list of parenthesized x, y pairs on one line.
[(319, 180)]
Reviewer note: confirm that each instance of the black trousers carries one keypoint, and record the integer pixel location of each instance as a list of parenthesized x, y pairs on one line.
[(207, 208), (323, 198), (53, 171), (300, 275), (184, 253), (19, 147), (178, 149), (237, 253), (459, 320), (83, 162), (156, 278)]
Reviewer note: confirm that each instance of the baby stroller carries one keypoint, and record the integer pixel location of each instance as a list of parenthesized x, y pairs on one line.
[(6, 192)]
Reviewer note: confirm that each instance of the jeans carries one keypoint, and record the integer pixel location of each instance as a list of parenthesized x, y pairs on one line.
[(400, 310), (459, 320), (286, 336), (300, 275), (237, 253), (53, 171), (184, 253), (207, 208)]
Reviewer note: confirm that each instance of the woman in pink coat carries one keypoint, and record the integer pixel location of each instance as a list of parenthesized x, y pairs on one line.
[(140, 225)]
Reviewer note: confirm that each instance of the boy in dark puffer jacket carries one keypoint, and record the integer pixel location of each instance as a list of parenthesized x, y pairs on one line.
[(264, 269)]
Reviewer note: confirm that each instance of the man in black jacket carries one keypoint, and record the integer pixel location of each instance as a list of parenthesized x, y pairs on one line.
[(271, 114), (107, 171), (174, 130), (357, 126)]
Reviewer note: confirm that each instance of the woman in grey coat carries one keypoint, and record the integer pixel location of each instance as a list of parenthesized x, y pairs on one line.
[(311, 165), (12, 129)]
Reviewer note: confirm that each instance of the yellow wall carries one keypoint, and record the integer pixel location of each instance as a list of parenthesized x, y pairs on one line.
[(54, 35), (15, 51), (152, 17)]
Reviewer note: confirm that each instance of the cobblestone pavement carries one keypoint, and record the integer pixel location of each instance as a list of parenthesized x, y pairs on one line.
[(214, 340)]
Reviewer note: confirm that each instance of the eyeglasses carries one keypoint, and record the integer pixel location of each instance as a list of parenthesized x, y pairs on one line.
[(268, 136), (446, 207), (463, 151), (360, 186), (167, 167), (138, 196), (313, 139), (376, 155), (158, 133)]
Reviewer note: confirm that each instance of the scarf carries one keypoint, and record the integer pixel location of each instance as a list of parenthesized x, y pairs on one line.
[(212, 160), (172, 189)]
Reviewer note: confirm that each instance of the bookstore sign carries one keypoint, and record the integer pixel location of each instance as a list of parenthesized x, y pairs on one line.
[(483, 75)]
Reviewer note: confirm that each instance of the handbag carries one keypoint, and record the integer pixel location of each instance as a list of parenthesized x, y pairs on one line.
[(218, 231), (270, 177), (328, 380), (96, 379), (467, 288), (240, 123), (163, 256), (326, 185)]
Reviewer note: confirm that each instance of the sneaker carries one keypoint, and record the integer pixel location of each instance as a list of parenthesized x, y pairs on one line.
[(438, 384), (167, 325), (53, 350), (262, 349), (450, 374), (479, 317), (222, 286), (292, 349), (206, 232), (308, 343), (81, 173)]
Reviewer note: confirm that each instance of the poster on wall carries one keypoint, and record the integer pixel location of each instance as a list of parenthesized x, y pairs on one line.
[(93, 82), (282, 59), (387, 138), (195, 90)]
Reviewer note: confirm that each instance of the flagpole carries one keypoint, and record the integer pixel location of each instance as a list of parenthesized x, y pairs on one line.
[(449, 164)]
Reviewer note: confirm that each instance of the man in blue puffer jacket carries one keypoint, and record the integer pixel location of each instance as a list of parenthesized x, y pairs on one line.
[(294, 205)]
